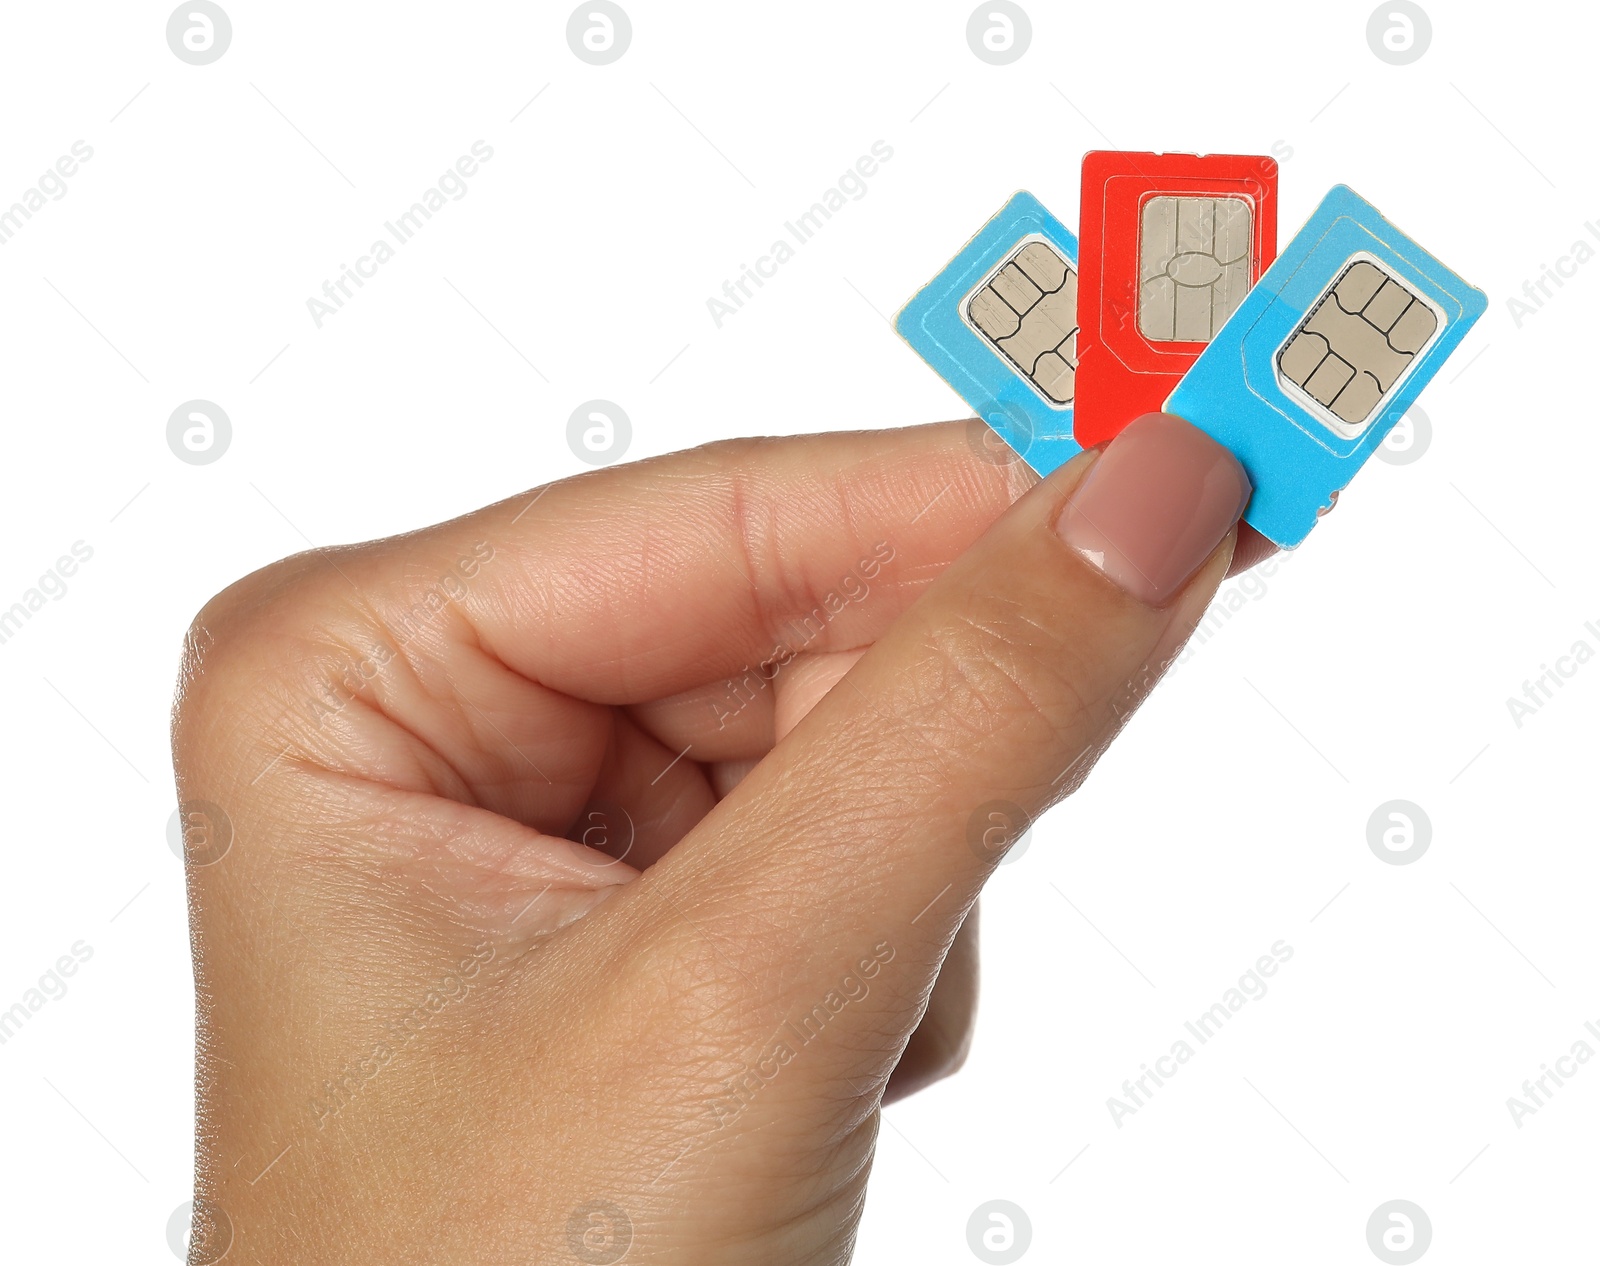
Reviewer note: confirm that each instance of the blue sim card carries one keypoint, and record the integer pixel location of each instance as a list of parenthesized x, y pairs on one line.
[(1322, 358), (1000, 325)]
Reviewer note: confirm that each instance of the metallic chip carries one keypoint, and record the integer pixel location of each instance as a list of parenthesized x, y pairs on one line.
[(1028, 309), (1357, 341), (1194, 265)]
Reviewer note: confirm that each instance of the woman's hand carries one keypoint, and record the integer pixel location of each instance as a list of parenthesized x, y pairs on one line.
[(573, 878)]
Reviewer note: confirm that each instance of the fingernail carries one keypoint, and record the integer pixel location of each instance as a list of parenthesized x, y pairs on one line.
[(1154, 506)]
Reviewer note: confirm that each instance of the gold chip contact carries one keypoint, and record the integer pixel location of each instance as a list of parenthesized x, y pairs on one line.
[(1351, 350), (1028, 309), (1194, 265)]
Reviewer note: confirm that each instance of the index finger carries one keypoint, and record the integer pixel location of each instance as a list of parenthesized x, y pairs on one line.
[(641, 581)]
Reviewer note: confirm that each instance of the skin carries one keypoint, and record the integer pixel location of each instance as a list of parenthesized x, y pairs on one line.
[(433, 1028)]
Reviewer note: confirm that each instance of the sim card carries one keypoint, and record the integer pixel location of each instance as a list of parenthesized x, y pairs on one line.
[(1000, 325), (1323, 357), (1171, 245)]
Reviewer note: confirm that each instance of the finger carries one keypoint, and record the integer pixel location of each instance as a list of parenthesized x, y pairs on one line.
[(728, 774), (733, 720), (645, 580), (1252, 548), (660, 808), (805, 683), (939, 1046), (739, 719), (643, 801), (484, 639), (1003, 683), (729, 719)]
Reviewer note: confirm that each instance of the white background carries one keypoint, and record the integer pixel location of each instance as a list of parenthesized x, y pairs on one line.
[(1374, 665)]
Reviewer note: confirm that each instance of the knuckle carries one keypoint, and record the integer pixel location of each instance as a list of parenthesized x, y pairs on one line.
[(250, 642), (994, 668)]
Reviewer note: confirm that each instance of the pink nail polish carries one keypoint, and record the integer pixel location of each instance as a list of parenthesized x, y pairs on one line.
[(1154, 506)]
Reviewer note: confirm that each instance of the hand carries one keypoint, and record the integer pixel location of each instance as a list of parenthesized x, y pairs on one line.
[(765, 685)]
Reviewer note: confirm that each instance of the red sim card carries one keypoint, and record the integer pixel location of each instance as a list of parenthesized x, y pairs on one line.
[(1169, 246)]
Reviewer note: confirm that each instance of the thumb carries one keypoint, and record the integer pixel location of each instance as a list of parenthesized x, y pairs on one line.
[(867, 833)]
